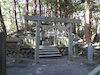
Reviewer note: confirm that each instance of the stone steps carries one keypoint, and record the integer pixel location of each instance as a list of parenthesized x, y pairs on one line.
[(45, 56), (49, 51), (43, 53)]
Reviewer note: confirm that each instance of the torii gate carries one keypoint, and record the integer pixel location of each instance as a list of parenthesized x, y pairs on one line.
[(38, 19)]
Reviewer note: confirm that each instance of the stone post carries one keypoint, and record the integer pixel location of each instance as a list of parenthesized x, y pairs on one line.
[(90, 52), (70, 41), (2, 53), (37, 42)]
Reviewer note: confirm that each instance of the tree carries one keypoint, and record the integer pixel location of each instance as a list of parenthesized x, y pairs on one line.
[(16, 16), (26, 22), (58, 9), (2, 22), (40, 6), (35, 7), (19, 8), (87, 22), (65, 8)]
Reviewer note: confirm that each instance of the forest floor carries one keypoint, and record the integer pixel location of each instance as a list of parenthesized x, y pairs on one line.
[(51, 66)]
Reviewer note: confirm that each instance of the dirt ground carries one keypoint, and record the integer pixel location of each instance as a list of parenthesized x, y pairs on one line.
[(51, 66)]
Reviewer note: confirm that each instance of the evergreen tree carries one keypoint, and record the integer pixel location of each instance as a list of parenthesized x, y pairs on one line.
[(16, 16), (87, 22)]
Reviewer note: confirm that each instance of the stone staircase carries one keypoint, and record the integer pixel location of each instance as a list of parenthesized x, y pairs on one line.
[(49, 51)]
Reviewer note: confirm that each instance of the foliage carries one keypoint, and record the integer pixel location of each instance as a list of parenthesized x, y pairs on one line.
[(2, 24), (7, 7)]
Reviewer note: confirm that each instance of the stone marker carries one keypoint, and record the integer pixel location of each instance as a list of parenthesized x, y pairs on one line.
[(90, 52)]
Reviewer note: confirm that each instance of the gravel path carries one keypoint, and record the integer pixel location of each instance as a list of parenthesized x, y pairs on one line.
[(50, 66)]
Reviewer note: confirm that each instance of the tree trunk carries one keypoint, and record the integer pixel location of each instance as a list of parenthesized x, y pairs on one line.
[(87, 22), (27, 7), (78, 24), (21, 20), (58, 9), (65, 9), (74, 28), (2, 22), (35, 7), (26, 22), (16, 16), (40, 6), (65, 14)]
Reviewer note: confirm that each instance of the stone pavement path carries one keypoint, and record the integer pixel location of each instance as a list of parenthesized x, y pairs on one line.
[(50, 66)]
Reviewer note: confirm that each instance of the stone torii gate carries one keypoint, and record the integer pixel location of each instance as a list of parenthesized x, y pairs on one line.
[(38, 19)]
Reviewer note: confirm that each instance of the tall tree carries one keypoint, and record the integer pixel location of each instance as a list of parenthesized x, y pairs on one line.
[(65, 9), (16, 16), (27, 11), (35, 7), (40, 6), (19, 9), (27, 7), (2, 22), (87, 22), (58, 9)]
